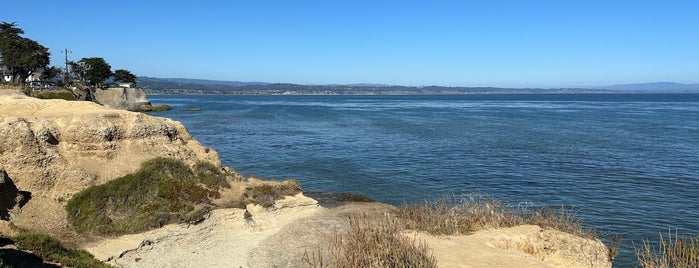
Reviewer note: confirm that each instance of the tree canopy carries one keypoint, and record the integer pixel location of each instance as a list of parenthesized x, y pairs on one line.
[(96, 70), (125, 76), (21, 56)]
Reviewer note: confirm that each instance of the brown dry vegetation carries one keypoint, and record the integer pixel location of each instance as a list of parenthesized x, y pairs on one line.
[(379, 243), (451, 215), (372, 242), (678, 251)]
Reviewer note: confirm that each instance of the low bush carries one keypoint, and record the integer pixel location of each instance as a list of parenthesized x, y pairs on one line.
[(210, 175), (162, 191), (678, 251), (50, 250), (266, 194)]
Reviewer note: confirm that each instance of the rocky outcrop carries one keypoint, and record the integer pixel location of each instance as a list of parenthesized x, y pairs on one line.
[(54, 148), (123, 98), (519, 246)]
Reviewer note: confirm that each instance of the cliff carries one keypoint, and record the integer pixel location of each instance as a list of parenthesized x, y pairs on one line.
[(51, 149), (126, 98)]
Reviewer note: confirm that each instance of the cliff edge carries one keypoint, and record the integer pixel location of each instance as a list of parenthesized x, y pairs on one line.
[(51, 149)]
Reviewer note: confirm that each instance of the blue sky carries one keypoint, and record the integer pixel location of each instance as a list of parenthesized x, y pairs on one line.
[(453, 43)]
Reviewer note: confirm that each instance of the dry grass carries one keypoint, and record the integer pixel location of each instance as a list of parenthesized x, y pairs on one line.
[(451, 215), (267, 193), (677, 252), (378, 243), (373, 242)]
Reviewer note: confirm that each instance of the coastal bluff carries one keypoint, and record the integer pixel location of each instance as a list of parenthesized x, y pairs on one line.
[(123, 98), (52, 149)]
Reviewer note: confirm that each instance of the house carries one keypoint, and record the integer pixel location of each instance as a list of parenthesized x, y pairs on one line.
[(33, 77), (129, 85)]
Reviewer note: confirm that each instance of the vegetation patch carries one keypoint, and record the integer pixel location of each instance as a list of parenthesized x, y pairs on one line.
[(450, 215), (161, 108), (373, 242), (680, 251), (51, 250), (63, 94), (210, 175), (266, 194), (162, 191)]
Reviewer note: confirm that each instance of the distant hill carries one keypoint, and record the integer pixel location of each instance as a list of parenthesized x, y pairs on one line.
[(655, 87), (153, 85), (154, 82)]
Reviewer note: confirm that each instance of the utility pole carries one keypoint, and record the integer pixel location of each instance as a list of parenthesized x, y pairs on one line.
[(66, 75)]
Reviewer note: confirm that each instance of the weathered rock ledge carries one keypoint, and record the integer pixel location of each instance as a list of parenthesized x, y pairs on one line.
[(126, 98)]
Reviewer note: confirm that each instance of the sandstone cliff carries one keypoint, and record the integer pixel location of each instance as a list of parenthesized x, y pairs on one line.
[(51, 149), (131, 99)]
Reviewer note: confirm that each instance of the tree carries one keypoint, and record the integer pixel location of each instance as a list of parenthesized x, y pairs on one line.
[(50, 73), (125, 76), (79, 70), (20, 56), (96, 70)]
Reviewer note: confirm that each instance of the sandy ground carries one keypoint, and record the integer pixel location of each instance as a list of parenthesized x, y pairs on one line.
[(37, 107), (225, 239), (520, 246), (298, 225)]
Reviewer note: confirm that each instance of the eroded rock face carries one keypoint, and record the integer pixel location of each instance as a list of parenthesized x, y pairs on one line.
[(132, 99), (55, 148)]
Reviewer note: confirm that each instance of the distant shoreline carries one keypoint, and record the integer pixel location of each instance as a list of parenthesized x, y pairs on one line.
[(203, 92)]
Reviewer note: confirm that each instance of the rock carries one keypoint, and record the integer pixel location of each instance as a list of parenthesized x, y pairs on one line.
[(127, 98), (520, 246), (55, 148)]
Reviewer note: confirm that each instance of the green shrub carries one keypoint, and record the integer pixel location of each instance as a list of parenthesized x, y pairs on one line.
[(161, 108), (210, 175), (49, 249), (162, 191), (63, 94), (266, 194)]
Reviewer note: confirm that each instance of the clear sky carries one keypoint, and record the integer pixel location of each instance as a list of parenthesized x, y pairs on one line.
[(514, 43)]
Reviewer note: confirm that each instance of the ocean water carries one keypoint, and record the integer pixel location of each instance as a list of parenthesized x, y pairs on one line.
[(625, 163)]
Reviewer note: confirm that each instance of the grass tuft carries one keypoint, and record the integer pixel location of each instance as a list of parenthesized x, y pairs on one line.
[(372, 242), (678, 251)]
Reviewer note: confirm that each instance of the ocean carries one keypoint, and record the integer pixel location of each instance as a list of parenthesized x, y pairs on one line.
[(624, 163)]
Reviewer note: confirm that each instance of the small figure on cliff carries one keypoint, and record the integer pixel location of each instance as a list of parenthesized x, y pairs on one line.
[(248, 218)]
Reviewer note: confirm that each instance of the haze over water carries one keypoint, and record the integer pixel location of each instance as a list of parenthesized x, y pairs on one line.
[(627, 163)]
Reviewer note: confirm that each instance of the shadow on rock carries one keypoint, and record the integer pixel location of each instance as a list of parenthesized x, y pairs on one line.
[(11, 198)]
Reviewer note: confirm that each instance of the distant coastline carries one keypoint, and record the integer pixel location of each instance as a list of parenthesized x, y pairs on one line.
[(180, 86)]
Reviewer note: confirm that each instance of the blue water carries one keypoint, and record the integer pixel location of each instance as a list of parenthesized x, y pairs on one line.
[(627, 163)]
